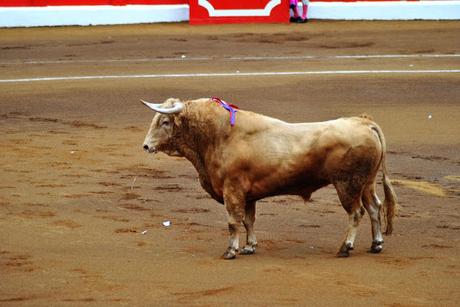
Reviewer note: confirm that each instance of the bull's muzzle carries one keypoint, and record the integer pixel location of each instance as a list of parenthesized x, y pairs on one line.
[(149, 149)]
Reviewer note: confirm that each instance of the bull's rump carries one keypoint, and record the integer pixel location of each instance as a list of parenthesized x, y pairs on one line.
[(301, 158)]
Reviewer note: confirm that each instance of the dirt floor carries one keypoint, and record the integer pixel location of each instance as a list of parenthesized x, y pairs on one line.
[(82, 206)]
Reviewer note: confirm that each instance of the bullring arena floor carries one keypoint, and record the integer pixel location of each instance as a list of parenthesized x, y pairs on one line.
[(82, 206)]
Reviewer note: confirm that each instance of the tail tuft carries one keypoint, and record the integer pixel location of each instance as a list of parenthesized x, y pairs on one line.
[(390, 204)]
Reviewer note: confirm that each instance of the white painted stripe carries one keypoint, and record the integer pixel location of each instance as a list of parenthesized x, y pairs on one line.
[(235, 58), (85, 15), (358, 56), (387, 10), (235, 74), (395, 56)]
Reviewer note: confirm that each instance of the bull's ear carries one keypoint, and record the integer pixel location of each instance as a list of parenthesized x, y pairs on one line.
[(176, 108), (150, 105)]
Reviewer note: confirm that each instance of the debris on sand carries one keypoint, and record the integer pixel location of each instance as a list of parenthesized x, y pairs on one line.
[(422, 186), (134, 181), (453, 177), (166, 223)]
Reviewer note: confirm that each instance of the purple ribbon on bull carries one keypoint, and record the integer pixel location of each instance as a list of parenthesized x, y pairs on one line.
[(229, 107)]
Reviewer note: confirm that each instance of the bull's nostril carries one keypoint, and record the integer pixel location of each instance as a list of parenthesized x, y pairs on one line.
[(146, 147)]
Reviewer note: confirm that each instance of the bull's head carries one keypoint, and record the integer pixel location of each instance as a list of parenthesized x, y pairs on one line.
[(159, 137)]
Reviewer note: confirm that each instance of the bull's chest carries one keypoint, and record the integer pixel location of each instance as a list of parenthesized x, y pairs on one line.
[(207, 186)]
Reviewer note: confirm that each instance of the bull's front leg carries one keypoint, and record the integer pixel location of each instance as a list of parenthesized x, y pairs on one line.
[(235, 205)]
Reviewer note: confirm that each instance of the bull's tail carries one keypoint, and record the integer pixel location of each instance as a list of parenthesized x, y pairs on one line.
[(390, 204)]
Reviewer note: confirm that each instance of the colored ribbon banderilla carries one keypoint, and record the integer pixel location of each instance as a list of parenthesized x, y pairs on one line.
[(229, 107)]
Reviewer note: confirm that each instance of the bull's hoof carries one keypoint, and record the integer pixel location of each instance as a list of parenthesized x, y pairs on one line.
[(343, 254), (377, 247), (345, 250), (230, 253), (248, 250)]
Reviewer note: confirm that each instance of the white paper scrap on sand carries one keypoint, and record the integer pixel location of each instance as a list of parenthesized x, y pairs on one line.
[(166, 223)]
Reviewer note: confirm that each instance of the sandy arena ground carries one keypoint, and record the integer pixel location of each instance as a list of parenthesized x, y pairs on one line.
[(82, 206)]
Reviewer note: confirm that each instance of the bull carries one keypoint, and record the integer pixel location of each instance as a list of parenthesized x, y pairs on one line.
[(259, 156)]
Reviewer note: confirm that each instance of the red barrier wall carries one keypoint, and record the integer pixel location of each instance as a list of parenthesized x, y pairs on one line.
[(86, 2), (239, 11)]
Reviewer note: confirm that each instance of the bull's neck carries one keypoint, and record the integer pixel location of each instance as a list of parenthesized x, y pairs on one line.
[(200, 131)]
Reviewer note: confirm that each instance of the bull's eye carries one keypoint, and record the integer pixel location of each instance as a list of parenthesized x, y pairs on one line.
[(165, 123)]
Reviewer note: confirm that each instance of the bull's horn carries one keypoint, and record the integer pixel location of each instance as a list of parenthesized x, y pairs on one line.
[(151, 105), (176, 108)]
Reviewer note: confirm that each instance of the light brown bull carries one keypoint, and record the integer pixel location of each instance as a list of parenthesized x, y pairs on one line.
[(261, 156)]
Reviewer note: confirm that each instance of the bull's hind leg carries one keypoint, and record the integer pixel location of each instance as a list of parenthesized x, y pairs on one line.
[(372, 204), (248, 221), (350, 196)]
